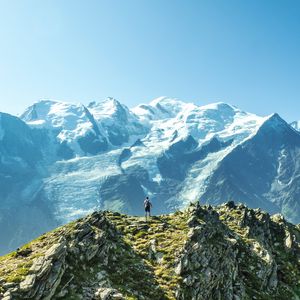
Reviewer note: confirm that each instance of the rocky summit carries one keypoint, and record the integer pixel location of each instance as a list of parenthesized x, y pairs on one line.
[(204, 252)]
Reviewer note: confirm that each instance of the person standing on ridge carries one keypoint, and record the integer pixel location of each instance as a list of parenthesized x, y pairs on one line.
[(147, 205)]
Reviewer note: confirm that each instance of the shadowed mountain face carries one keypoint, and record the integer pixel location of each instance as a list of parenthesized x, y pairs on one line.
[(223, 252), (60, 161), (262, 171), (24, 213)]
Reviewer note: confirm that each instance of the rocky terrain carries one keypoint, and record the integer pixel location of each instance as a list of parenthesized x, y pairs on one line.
[(204, 252)]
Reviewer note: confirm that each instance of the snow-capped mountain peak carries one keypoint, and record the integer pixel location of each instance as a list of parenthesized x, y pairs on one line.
[(107, 106), (68, 122), (56, 114), (275, 122), (171, 106), (110, 108), (103, 124), (159, 108)]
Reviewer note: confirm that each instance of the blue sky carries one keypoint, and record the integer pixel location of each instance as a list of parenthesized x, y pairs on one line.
[(246, 53)]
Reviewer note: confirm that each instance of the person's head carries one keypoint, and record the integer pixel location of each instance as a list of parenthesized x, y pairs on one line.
[(147, 198)]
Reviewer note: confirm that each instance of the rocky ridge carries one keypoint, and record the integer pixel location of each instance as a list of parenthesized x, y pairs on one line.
[(204, 252)]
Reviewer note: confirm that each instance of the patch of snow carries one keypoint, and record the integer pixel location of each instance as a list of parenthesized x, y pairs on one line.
[(197, 179), (37, 123), (146, 191), (157, 178)]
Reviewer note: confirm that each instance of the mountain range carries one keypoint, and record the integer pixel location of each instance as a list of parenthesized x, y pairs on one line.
[(60, 161)]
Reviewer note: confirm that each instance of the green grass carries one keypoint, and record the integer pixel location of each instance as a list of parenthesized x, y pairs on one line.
[(170, 233), (19, 274)]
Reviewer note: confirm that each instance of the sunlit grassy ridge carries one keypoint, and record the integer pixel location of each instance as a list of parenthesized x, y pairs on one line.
[(158, 242), (168, 256)]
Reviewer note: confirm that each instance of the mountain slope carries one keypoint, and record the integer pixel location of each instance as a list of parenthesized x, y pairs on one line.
[(262, 171), (71, 124), (23, 214), (85, 130), (226, 252)]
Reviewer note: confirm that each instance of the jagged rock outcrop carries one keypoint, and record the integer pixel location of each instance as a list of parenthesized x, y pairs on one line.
[(233, 252), (204, 252)]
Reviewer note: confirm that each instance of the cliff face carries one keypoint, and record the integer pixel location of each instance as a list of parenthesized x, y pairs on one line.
[(204, 252)]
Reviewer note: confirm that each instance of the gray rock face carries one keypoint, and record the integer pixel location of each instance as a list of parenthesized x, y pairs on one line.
[(217, 263), (46, 272), (209, 263)]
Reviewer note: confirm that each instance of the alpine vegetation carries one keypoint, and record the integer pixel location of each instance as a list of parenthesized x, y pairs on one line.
[(223, 252)]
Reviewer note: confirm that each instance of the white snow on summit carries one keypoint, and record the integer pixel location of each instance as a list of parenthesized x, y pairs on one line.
[(202, 122), (158, 124), (220, 120), (111, 113), (70, 119), (159, 108), (107, 110)]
